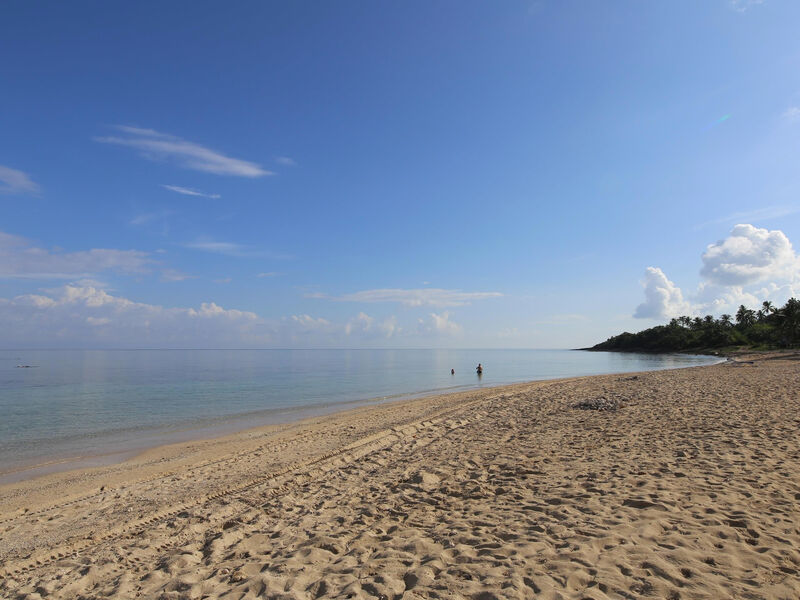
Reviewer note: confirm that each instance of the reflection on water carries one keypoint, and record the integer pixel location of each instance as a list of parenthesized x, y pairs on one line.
[(84, 402)]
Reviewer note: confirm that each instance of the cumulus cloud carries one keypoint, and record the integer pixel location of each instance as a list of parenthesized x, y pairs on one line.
[(78, 314), (443, 324), (438, 324), (19, 258), (154, 145), (307, 323), (361, 322), (189, 191), (749, 255), (364, 325), (16, 182), (749, 266), (663, 299), (419, 297), (86, 314)]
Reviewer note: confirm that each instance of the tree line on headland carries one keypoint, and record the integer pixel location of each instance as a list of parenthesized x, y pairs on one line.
[(765, 328)]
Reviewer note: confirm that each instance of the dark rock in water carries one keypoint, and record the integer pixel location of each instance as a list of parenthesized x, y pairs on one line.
[(599, 403)]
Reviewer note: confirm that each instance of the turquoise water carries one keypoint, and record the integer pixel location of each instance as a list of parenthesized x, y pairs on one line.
[(89, 403)]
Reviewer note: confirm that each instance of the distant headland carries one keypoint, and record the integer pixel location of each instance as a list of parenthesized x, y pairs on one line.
[(767, 328)]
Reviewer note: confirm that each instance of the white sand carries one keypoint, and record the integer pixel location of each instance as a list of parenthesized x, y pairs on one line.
[(690, 489)]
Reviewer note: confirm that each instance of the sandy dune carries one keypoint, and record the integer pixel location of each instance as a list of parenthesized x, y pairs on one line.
[(686, 486)]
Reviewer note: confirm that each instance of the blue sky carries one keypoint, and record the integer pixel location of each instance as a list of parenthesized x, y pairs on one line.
[(414, 174)]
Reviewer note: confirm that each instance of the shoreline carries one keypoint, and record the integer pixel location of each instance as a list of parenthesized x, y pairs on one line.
[(679, 484), (224, 426), (195, 442)]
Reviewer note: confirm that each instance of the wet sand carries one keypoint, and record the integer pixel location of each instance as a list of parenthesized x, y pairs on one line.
[(668, 484)]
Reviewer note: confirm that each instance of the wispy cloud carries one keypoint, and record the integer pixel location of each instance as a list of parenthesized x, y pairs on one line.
[(756, 215), (21, 259), (175, 275), (227, 248), (285, 161), (222, 280), (146, 218), (189, 191), (744, 5), (792, 114), (155, 145), (418, 297), (16, 182), (233, 249), (268, 274)]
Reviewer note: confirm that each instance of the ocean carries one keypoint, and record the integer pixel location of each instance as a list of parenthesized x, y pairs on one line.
[(66, 408)]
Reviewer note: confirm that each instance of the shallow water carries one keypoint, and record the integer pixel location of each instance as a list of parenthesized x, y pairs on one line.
[(97, 402)]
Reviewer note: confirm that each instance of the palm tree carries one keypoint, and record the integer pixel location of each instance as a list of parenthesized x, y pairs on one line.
[(767, 307), (789, 319), (745, 316), (725, 320)]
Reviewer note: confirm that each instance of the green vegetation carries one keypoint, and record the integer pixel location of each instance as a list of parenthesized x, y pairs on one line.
[(769, 327)]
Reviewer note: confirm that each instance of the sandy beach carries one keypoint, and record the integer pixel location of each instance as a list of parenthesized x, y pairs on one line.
[(668, 484)]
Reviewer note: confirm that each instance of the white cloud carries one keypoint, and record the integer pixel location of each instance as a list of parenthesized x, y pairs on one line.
[(744, 5), (77, 315), (715, 299), (19, 258), (663, 299), (792, 114), (750, 255), (438, 325), (16, 182), (175, 275), (223, 280), (307, 323), (268, 274), (443, 324), (285, 161), (731, 269), (419, 297), (84, 314), (361, 322), (233, 249), (189, 191), (364, 325), (155, 145), (218, 247), (147, 218)]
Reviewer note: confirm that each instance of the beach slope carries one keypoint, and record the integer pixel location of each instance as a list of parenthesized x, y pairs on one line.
[(670, 484)]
